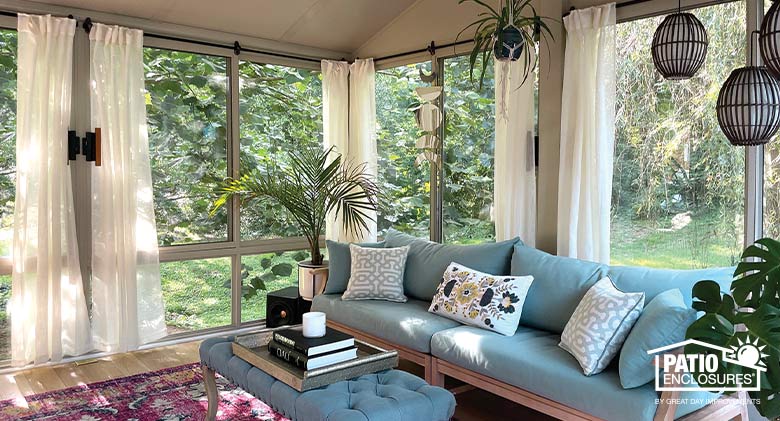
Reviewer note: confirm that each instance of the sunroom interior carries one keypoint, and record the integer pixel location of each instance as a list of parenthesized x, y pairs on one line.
[(580, 149)]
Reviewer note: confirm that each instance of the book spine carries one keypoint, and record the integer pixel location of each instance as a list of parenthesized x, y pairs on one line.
[(287, 354), (289, 343)]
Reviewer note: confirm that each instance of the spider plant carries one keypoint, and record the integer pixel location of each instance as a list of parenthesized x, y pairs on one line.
[(314, 183), (505, 32)]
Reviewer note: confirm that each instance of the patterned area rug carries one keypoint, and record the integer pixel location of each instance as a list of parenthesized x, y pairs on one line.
[(173, 394)]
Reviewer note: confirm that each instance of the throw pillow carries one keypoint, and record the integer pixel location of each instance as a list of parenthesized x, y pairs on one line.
[(480, 299), (600, 324), (339, 263), (376, 274), (428, 260), (663, 322)]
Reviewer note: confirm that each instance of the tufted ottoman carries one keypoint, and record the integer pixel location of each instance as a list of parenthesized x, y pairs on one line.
[(391, 395)]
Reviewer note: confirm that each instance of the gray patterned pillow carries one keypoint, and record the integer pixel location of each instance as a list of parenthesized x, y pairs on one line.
[(376, 274), (600, 324)]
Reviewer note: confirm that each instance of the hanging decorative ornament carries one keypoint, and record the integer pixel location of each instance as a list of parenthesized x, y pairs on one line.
[(429, 118), (748, 106), (508, 41), (679, 45), (769, 39)]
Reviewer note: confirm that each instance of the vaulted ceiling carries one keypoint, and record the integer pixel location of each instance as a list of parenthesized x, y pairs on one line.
[(337, 25)]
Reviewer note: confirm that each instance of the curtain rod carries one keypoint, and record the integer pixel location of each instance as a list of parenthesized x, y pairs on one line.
[(236, 47), (617, 6), (430, 49)]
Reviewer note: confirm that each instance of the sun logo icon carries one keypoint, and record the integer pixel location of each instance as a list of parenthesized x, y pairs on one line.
[(749, 353)]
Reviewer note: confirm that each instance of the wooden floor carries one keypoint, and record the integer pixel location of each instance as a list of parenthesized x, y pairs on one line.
[(473, 405)]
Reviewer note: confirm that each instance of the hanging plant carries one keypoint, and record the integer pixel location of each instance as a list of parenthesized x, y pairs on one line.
[(505, 32)]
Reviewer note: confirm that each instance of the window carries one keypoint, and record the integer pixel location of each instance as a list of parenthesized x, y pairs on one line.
[(678, 187), (217, 270), (280, 110), (469, 135), (7, 176), (187, 116), (406, 186)]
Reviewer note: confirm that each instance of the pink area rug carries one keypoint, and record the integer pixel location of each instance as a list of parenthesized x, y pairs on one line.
[(173, 394)]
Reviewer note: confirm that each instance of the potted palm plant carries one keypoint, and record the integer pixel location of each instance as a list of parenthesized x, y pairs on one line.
[(312, 185), (505, 32)]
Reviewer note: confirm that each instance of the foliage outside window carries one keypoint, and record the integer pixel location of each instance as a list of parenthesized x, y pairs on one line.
[(678, 188), (7, 173), (405, 187), (469, 140), (280, 110), (186, 106)]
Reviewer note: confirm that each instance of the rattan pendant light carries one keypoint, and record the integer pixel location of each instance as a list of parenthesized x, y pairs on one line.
[(769, 40), (748, 105), (679, 45)]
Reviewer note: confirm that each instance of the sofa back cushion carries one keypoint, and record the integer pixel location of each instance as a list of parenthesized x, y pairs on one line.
[(559, 285), (561, 282), (427, 261), (655, 281), (339, 263)]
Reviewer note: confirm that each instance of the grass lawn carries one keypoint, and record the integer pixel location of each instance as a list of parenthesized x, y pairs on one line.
[(683, 242)]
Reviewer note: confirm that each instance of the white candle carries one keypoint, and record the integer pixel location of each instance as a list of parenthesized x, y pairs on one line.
[(314, 324)]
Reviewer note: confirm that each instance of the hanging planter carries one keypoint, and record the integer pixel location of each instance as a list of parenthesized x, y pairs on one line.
[(508, 44), (506, 33), (679, 46), (769, 39), (748, 106)]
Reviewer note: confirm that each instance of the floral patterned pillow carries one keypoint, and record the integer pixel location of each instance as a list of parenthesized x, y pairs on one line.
[(480, 299)]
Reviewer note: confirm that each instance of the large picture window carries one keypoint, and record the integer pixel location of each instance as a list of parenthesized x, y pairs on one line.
[(406, 186), (469, 140), (678, 188), (7, 176)]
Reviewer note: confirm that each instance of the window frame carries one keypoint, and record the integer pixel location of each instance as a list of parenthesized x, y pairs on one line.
[(233, 247)]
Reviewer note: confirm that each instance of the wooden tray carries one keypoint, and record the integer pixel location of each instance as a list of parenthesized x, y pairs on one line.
[(253, 348)]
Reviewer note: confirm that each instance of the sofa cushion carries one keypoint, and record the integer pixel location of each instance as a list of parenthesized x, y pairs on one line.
[(339, 263), (600, 325), (663, 322), (655, 281), (376, 274), (481, 299), (532, 360), (428, 260), (559, 285), (408, 324)]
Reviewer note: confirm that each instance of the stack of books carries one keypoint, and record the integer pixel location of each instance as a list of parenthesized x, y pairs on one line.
[(310, 353)]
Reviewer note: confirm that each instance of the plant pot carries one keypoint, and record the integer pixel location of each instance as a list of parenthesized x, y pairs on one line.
[(311, 279), (508, 44)]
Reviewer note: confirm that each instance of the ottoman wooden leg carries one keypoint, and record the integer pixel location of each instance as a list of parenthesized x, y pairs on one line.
[(211, 392)]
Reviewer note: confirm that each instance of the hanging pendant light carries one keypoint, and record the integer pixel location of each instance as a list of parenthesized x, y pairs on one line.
[(679, 45), (769, 40), (748, 106)]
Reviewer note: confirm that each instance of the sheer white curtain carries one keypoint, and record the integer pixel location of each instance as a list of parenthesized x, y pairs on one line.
[(48, 309), (127, 307), (587, 134), (362, 128), (514, 192), (349, 125)]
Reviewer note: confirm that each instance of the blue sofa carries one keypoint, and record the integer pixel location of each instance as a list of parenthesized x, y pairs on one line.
[(528, 367)]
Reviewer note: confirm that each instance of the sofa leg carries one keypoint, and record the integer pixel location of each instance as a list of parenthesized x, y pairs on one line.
[(210, 383), (436, 377)]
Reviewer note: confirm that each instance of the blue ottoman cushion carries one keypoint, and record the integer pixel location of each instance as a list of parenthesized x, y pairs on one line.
[(391, 395)]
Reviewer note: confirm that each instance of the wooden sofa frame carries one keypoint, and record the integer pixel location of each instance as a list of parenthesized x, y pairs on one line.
[(436, 369)]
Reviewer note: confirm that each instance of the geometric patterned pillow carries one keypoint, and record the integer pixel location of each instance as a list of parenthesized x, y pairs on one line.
[(376, 274), (480, 299), (600, 324)]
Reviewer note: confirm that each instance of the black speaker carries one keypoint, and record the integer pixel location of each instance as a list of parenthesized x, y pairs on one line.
[(285, 307)]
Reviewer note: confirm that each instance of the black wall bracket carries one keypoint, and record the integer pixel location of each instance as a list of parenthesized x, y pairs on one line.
[(88, 145)]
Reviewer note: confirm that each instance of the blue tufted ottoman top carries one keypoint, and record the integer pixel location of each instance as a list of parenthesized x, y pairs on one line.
[(391, 395)]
